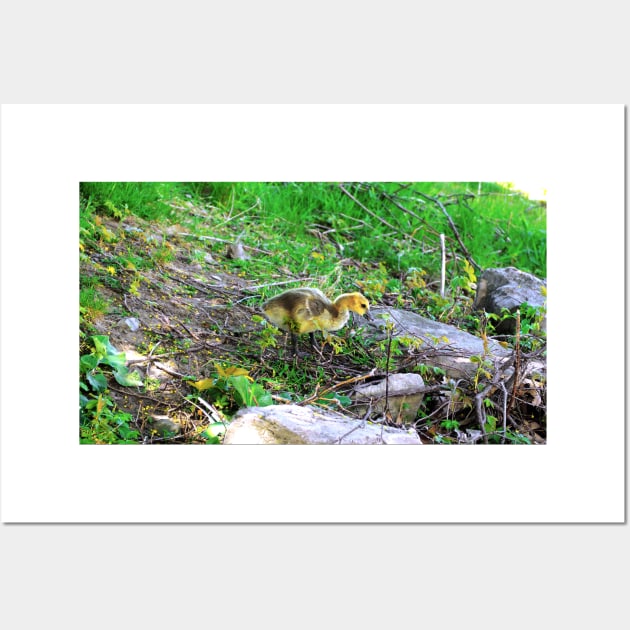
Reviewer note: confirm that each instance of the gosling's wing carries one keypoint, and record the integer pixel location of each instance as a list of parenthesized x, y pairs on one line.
[(315, 293), (309, 307)]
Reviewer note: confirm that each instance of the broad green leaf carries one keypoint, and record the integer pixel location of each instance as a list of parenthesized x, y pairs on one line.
[(248, 394), (102, 345), (88, 362), (97, 381), (117, 361), (491, 424), (243, 390), (128, 379), (262, 398)]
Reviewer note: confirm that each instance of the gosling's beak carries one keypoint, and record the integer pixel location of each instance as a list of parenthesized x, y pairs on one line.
[(368, 315)]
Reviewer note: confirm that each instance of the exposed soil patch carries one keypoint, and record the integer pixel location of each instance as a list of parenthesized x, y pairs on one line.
[(192, 316)]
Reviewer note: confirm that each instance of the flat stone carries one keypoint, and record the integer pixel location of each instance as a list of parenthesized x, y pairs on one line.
[(404, 395), (450, 348), (292, 424)]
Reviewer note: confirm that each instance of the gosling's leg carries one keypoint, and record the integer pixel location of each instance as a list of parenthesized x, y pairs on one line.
[(294, 343), (317, 347)]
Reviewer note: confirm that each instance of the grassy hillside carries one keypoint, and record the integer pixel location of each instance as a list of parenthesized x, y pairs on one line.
[(231, 245)]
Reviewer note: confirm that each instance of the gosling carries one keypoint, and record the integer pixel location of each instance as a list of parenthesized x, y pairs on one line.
[(306, 310)]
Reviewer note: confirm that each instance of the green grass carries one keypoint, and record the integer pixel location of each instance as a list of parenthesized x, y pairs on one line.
[(498, 226), (144, 199)]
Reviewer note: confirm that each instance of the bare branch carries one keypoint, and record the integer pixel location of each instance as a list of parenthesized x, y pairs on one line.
[(440, 205)]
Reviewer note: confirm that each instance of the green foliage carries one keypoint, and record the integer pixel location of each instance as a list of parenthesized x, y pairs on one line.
[(232, 388), (269, 333), (100, 422), (91, 304), (144, 199), (247, 393), (105, 354), (532, 334), (450, 424), (491, 424)]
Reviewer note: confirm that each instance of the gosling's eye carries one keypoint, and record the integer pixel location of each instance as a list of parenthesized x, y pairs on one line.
[(364, 306)]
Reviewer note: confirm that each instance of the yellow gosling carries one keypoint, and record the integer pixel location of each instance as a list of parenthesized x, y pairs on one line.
[(306, 310)]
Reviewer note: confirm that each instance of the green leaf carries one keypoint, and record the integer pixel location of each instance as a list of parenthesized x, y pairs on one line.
[(213, 430), (261, 396), (88, 362), (97, 381), (117, 361), (102, 346), (126, 433), (248, 393), (128, 379), (242, 387), (491, 424)]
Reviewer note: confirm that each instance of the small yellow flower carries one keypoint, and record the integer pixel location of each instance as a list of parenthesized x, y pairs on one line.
[(111, 271)]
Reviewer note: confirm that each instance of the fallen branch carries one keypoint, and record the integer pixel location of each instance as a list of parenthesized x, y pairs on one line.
[(373, 214), (277, 284), (517, 358), (479, 398), (425, 228)]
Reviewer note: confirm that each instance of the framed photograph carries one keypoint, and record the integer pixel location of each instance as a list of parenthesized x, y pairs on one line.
[(269, 296)]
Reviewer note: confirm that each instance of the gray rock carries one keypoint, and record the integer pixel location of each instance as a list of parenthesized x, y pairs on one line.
[(442, 345), (508, 288), (404, 395), (292, 424), (133, 323)]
